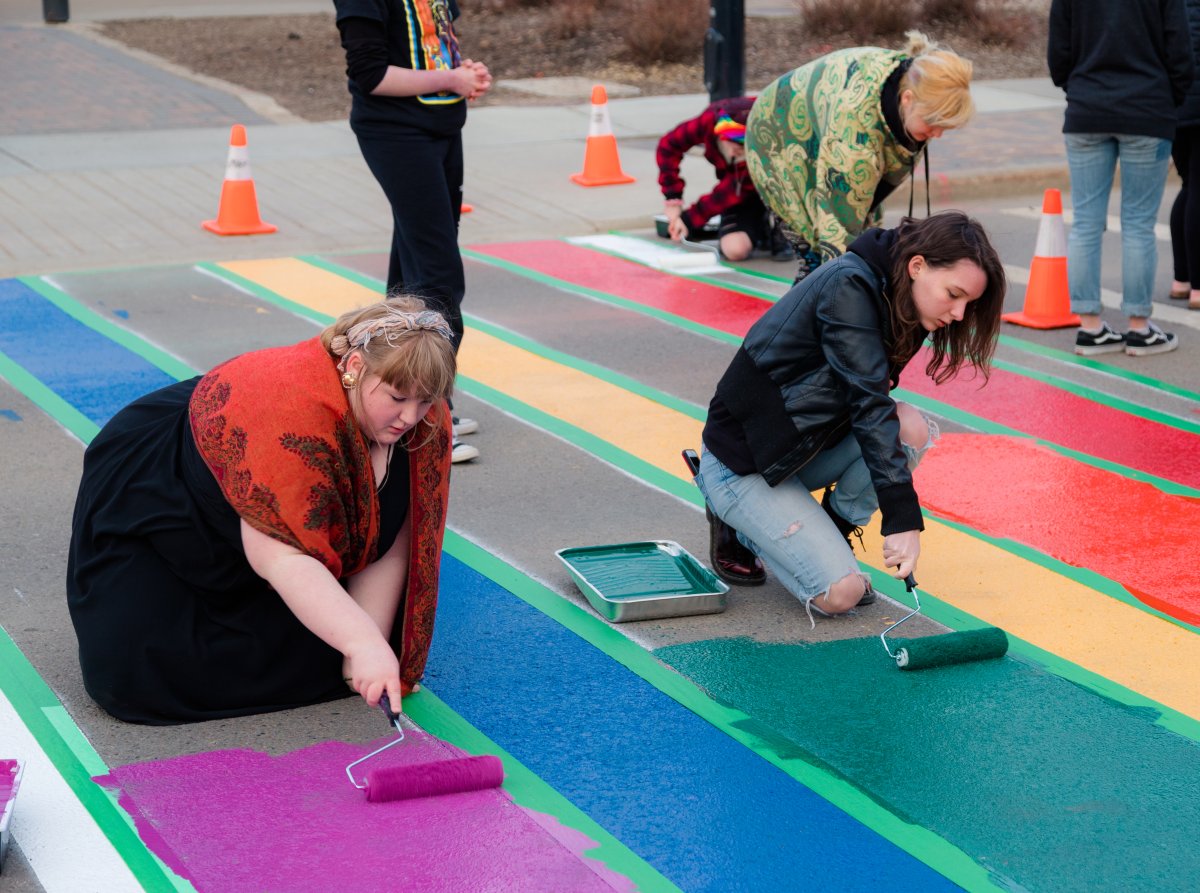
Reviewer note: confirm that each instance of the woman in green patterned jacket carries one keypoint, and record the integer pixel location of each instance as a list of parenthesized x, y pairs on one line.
[(829, 141)]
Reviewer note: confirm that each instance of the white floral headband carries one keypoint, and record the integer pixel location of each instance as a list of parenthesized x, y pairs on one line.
[(395, 321)]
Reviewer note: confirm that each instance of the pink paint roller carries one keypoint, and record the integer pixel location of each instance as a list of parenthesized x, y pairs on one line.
[(453, 776)]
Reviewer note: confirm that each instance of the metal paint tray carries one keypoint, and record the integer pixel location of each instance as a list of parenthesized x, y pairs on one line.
[(643, 581)]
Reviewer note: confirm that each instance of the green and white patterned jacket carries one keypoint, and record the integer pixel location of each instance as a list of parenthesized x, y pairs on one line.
[(817, 146)]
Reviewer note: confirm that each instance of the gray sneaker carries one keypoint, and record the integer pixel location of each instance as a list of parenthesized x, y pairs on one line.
[(1153, 340), (1107, 340)]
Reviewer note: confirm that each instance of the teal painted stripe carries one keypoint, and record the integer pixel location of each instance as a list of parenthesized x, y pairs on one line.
[(48, 401), (921, 843), (605, 297), (156, 356), (957, 619), (1096, 396), (986, 426), (76, 760), (529, 791), (1088, 363)]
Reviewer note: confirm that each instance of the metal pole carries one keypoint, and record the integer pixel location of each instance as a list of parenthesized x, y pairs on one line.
[(55, 11), (725, 50)]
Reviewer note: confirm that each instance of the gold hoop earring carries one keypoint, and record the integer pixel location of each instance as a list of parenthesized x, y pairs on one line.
[(349, 380)]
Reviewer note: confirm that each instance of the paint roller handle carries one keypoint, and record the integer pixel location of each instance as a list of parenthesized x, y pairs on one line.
[(385, 704), (910, 582)]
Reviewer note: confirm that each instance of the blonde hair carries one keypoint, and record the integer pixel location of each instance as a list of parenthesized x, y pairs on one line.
[(407, 345), (940, 81)]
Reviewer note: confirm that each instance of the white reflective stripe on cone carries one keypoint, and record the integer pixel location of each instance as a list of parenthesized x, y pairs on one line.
[(237, 167), (1052, 237), (600, 124)]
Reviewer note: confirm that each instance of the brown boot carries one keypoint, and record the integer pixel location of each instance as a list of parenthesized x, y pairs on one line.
[(732, 561)]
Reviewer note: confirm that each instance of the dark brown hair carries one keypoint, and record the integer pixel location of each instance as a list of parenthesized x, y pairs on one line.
[(944, 239)]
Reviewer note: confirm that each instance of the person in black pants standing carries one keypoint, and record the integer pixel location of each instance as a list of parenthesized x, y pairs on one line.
[(409, 87), (1185, 212)]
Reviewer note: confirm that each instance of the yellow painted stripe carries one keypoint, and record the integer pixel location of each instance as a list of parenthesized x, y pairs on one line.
[(645, 429), (1110, 638), (305, 284)]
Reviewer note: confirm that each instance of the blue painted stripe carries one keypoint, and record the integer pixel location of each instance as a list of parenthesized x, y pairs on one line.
[(706, 812), (80, 365)]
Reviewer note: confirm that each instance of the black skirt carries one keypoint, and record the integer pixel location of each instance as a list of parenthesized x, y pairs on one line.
[(173, 624)]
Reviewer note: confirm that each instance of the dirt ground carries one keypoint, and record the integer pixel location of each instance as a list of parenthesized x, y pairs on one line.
[(299, 62)]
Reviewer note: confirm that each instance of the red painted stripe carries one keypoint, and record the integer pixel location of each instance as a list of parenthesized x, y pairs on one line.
[(1009, 399), (1061, 417), (699, 302), (1081, 515)]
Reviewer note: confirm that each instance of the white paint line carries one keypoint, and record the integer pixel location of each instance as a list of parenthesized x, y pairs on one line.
[(58, 837), (1162, 232), (668, 258), (1176, 316)]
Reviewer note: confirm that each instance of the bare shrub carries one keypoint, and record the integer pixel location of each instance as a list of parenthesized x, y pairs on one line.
[(948, 12), (572, 18), (863, 20), (1000, 26), (655, 31)]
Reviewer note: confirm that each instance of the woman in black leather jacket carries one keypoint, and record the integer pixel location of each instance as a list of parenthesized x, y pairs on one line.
[(806, 405)]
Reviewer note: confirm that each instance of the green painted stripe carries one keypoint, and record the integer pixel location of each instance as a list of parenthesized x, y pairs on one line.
[(607, 298), (1104, 399), (76, 760), (919, 842), (1088, 363), (47, 401), (529, 791), (970, 420), (156, 356)]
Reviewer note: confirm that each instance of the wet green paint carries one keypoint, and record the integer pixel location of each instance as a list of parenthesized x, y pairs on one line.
[(1043, 783)]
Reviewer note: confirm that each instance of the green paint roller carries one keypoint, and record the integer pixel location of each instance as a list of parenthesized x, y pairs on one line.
[(945, 650)]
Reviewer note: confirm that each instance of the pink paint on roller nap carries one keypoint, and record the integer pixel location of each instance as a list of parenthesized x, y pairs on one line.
[(241, 820)]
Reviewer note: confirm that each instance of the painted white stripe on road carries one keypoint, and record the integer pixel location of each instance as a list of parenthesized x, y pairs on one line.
[(667, 258), (58, 837)]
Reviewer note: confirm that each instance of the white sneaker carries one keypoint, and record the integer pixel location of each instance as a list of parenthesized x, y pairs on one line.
[(463, 452), (464, 426)]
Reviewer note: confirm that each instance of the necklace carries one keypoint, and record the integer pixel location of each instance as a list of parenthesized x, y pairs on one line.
[(387, 468)]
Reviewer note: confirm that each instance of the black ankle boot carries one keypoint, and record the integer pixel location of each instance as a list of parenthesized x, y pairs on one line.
[(731, 561), (845, 528)]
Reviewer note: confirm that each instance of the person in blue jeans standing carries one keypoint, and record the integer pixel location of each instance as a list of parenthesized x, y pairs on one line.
[(806, 403), (1126, 66), (409, 86)]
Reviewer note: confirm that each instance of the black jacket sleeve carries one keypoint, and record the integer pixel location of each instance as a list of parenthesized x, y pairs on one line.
[(365, 43)]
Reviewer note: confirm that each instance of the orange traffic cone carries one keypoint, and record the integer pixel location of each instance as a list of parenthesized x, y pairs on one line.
[(237, 215), (601, 165), (1048, 295)]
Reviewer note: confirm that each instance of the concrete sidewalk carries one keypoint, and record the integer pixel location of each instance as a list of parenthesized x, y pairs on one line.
[(112, 158)]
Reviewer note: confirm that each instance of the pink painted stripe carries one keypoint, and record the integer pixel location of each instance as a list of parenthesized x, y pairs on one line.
[(708, 305), (241, 821), (1079, 514), (1070, 420)]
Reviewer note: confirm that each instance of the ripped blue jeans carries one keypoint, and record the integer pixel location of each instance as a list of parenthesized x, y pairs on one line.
[(785, 525)]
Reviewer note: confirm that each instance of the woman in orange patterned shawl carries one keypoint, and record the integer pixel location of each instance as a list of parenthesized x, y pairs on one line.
[(263, 536)]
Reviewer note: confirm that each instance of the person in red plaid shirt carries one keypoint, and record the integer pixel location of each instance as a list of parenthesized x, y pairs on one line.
[(745, 223)]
